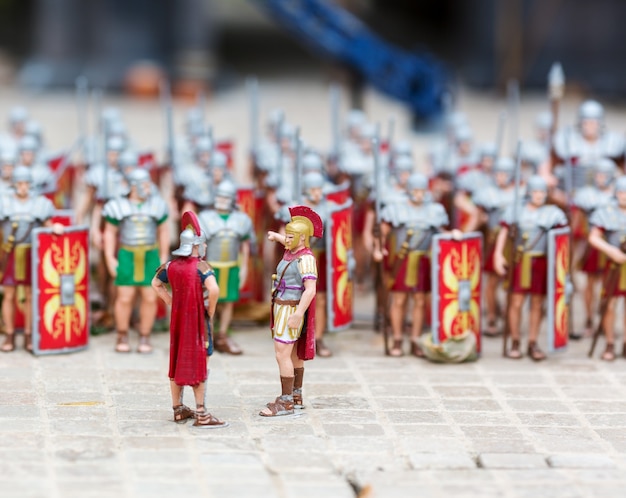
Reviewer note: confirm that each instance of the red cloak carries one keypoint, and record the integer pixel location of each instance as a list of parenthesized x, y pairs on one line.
[(188, 325)]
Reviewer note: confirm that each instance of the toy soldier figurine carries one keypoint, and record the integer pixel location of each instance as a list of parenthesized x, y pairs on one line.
[(20, 212), (229, 233), (410, 227), (593, 262), (7, 163), (293, 307), (492, 200), (530, 271), (190, 332), (43, 177), (608, 235), (138, 221)]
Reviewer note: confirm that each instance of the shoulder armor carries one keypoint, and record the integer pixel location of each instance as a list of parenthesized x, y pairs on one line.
[(606, 218)]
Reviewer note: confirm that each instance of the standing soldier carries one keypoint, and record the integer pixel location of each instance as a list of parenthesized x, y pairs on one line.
[(492, 200), (292, 318), (20, 212), (136, 224), (229, 233), (608, 235), (411, 227), (593, 261), (530, 271), (190, 332)]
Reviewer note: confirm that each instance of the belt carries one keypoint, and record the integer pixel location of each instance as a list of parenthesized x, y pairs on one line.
[(288, 302)]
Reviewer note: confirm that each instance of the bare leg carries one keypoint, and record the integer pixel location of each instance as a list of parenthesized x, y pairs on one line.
[(147, 315), (608, 324), (223, 343), (320, 325), (8, 317), (536, 316), (514, 317), (177, 393), (396, 317), (28, 326), (491, 303), (123, 310)]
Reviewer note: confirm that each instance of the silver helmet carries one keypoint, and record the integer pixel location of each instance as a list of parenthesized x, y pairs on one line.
[(488, 149), (591, 109), (18, 115), (203, 144), (22, 174), (128, 159), (620, 184), (607, 167), (191, 235), (417, 181), (28, 143), (219, 161), (403, 164), (226, 190), (312, 180), (115, 144), (312, 162), (536, 184)]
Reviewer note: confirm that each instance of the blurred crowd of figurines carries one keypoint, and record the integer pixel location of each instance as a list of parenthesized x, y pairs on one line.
[(385, 221)]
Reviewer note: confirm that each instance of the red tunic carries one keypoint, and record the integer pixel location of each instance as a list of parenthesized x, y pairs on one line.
[(188, 325)]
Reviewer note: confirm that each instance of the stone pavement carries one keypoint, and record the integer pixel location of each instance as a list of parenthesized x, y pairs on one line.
[(99, 424)]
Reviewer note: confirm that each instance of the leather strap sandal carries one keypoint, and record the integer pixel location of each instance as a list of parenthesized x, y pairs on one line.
[(535, 353), (491, 330), (122, 346), (416, 350), (224, 344), (9, 343), (283, 405), (609, 353), (396, 348), (144, 344), (204, 420), (297, 399), (183, 413), (321, 349), (28, 342), (514, 353)]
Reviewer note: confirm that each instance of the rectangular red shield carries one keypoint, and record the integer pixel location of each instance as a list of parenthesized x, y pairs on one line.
[(65, 217), (456, 272), (227, 147), (252, 289), (559, 289), (338, 193), (60, 290), (62, 197), (339, 266)]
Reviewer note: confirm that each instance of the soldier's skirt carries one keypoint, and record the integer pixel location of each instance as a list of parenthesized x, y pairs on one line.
[(228, 282), (280, 331), (538, 281), (19, 269), (414, 274), (136, 266), (593, 261), (488, 264)]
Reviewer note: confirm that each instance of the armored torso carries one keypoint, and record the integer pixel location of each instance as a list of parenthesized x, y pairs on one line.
[(224, 234), (588, 199), (108, 182), (137, 222), (494, 201), (424, 221), (30, 213), (289, 282), (612, 220), (533, 224)]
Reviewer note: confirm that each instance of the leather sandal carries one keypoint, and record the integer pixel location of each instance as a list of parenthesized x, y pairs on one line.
[(416, 350), (321, 349), (297, 399), (396, 348), (9, 343), (183, 413), (609, 353), (491, 330), (224, 344), (514, 353), (144, 344), (535, 353), (283, 405), (28, 342), (204, 420), (122, 346)]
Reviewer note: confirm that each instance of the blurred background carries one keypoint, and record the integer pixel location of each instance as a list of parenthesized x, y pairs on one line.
[(126, 45)]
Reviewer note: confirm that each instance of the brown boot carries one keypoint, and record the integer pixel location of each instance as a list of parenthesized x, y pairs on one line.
[(224, 344), (284, 404), (28, 342), (321, 349)]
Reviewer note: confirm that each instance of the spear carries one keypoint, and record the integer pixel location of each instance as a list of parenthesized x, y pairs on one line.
[(298, 178)]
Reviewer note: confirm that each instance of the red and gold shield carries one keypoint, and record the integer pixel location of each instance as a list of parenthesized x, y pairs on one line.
[(60, 290), (62, 197), (252, 289), (338, 193), (560, 288), (227, 147), (456, 286), (339, 265)]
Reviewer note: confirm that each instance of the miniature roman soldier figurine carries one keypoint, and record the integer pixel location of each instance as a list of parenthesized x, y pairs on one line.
[(491, 201), (20, 212), (530, 271), (293, 307), (136, 240), (188, 275), (593, 262), (608, 235), (229, 234), (410, 227)]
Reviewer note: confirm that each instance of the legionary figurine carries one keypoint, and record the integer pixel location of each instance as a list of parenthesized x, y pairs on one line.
[(229, 234), (593, 262), (293, 308), (409, 227), (491, 201), (7, 164), (608, 235), (44, 180), (20, 212), (136, 240), (530, 271), (188, 275)]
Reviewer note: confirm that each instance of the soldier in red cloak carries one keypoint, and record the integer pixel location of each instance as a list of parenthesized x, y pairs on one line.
[(190, 333)]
